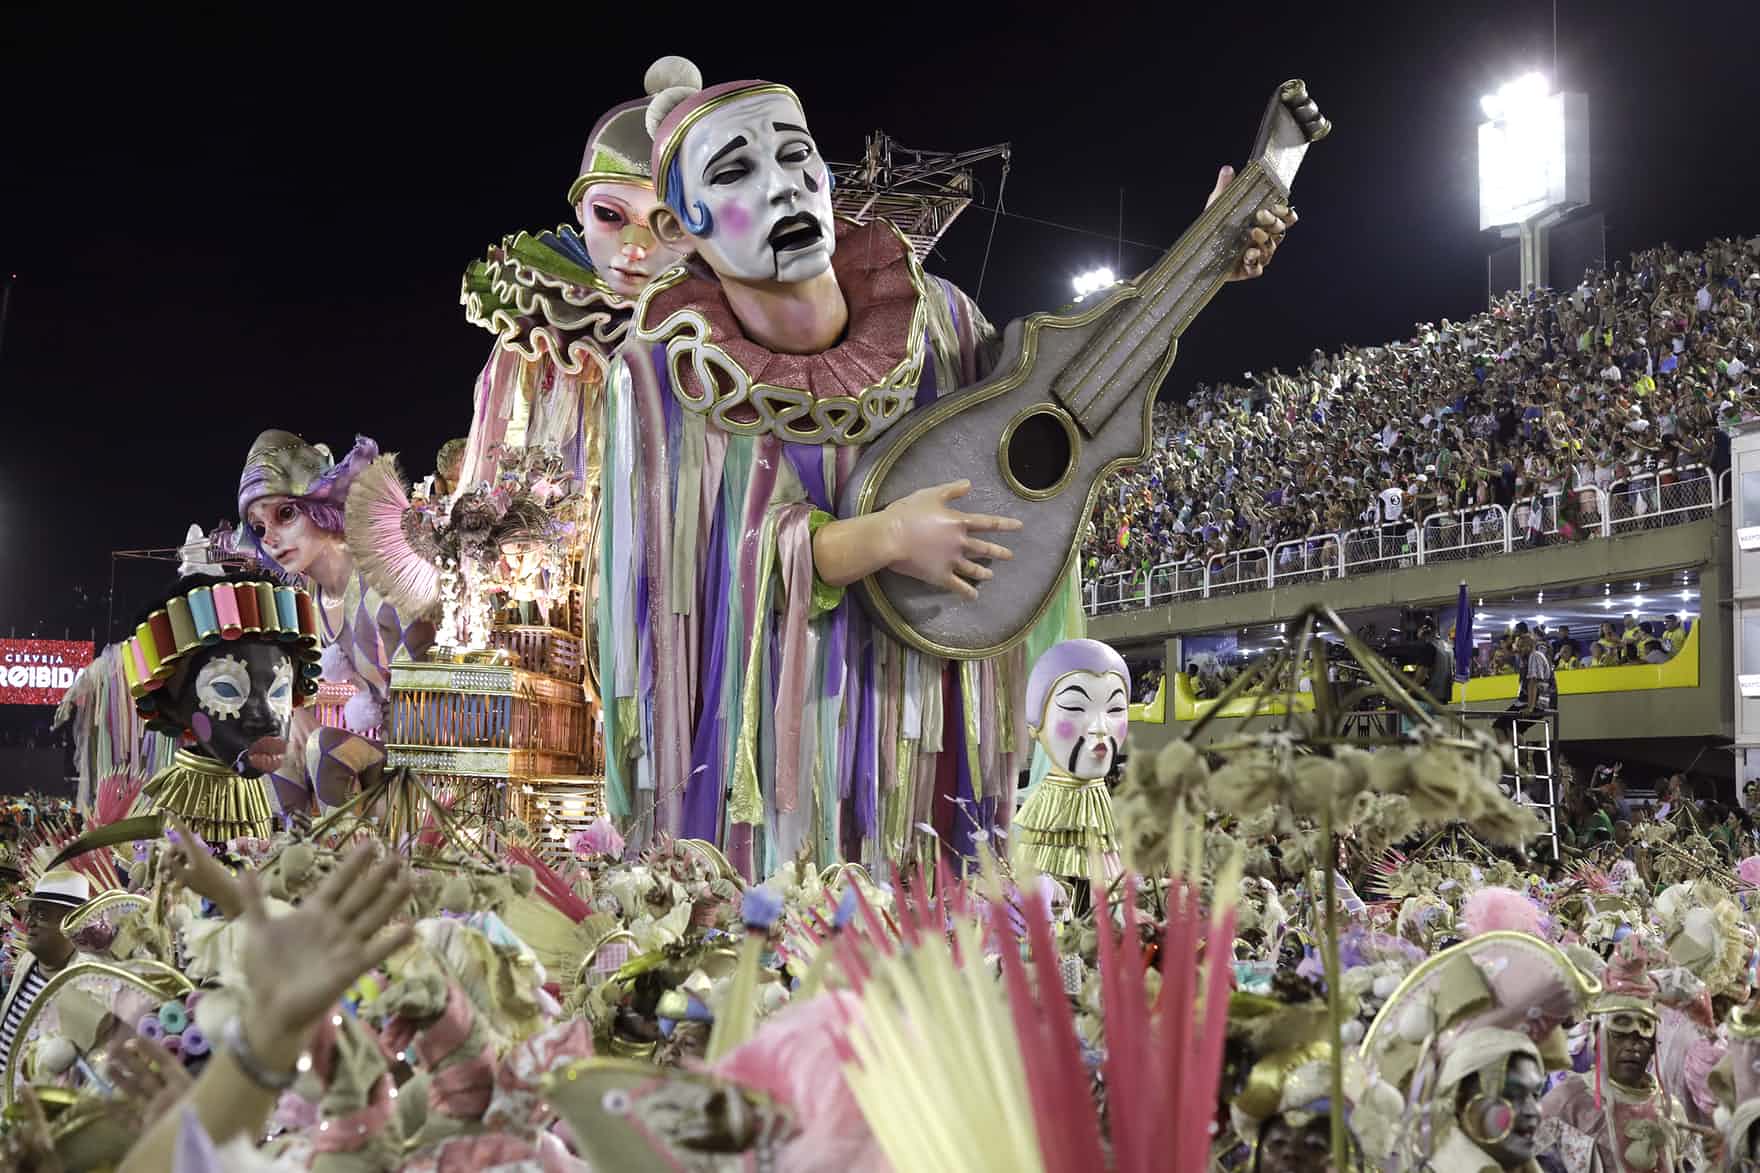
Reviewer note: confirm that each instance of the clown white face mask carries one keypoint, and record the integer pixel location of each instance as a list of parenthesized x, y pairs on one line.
[(1084, 723), (753, 168)]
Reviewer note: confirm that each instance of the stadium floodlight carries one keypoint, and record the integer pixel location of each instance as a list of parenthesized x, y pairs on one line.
[(1533, 164), (1093, 281)]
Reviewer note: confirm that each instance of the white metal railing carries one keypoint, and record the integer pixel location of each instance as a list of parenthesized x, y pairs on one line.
[(1666, 497), (1239, 571), (1649, 501), (1310, 559), (1463, 533)]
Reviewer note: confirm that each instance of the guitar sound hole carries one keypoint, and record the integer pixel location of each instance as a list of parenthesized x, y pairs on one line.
[(1039, 451)]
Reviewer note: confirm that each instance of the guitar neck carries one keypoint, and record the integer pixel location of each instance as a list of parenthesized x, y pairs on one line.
[(1132, 341)]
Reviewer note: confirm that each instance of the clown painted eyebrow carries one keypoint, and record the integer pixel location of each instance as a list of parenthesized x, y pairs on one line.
[(733, 144)]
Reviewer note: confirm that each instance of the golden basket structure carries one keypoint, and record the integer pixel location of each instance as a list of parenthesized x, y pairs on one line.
[(548, 650), (473, 730)]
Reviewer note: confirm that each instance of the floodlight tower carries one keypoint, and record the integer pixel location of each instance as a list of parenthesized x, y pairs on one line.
[(1533, 165)]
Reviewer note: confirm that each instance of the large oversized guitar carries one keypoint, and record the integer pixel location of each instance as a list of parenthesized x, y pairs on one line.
[(1068, 403)]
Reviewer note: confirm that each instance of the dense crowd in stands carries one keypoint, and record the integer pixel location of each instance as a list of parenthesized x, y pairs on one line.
[(1632, 371)]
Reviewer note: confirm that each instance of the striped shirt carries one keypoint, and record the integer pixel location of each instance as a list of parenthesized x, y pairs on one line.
[(33, 984)]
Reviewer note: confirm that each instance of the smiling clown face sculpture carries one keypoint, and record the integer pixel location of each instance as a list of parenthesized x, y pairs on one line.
[(743, 182)]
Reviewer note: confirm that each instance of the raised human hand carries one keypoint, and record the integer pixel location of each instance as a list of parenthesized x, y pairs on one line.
[(151, 1078), (191, 864), (28, 1146), (937, 544), (296, 967), (1263, 238)]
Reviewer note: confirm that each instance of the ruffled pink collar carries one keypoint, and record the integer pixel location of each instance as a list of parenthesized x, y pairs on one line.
[(880, 283)]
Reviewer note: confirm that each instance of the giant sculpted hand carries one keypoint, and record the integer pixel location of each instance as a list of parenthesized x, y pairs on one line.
[(920, 535), (1262, 239)]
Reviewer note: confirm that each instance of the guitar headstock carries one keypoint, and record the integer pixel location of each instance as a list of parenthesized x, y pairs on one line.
[(1292, 121)]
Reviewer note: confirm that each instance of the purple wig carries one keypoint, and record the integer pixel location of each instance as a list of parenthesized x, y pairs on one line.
[(1072, 655)]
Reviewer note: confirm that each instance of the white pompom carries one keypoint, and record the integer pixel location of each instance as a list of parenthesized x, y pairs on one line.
[(664, 103), (55, 1055), (671, 72), (1385, 985), (1351, 1033)]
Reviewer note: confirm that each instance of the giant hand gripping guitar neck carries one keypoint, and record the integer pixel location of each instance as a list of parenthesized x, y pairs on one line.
[(1067, 404)]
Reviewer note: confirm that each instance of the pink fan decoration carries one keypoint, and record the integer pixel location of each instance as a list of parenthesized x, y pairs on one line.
[(377, 509)]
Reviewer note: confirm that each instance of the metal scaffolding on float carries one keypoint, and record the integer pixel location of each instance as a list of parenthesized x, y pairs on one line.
[(920, 192)]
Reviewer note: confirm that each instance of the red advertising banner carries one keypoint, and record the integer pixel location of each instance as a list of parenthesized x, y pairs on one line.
[(38, 671)]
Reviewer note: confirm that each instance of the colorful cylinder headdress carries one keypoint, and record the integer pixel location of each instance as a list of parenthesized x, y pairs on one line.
[(220, 612)]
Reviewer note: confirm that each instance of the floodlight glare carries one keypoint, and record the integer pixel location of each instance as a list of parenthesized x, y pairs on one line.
[(1093, 281)]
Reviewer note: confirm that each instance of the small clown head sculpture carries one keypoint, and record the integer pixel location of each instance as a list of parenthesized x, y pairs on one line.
[(224, 662), (1078, 699), (742, 180), (291, 499), (614, 194)]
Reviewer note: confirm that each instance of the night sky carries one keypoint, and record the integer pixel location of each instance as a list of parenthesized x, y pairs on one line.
[(223, 222)]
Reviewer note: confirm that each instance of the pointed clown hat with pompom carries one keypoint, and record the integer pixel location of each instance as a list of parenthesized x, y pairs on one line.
[(680, 100), (1628, 984), (1510, 981), (621, 147), (1498, 994)]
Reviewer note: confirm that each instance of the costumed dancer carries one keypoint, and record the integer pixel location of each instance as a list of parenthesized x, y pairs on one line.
[(743, 691), (559, 303), (222, 664), (1620, 1119), (55, 896), (291, 502), (1455, 1060), (1078, 704)]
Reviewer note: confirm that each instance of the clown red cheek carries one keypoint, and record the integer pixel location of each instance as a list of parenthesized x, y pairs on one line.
[(201, 726), (1066, 729), (734, 218)]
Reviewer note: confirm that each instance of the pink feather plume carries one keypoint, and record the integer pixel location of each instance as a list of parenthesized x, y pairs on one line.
[(1501, 909), (1748, 872)]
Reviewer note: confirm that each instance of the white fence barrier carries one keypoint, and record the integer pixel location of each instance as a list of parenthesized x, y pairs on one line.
[(1651, 501)]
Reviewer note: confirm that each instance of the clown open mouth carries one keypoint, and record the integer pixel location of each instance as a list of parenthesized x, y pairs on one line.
[(798, 231), (261, 756)]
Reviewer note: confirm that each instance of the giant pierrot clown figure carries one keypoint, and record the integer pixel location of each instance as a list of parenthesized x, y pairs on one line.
[(223, 664), (559, 303), (747, 700), (292, 498), (1078, 700)]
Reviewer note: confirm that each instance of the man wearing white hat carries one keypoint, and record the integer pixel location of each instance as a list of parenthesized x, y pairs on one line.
[(56, 894)]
